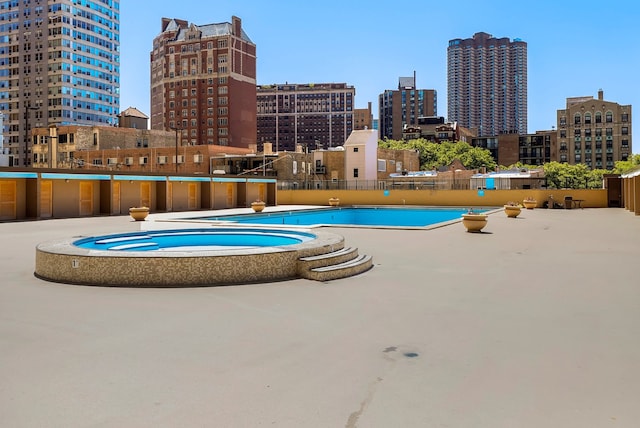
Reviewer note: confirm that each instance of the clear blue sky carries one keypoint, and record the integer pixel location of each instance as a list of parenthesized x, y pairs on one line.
[(574, 47)]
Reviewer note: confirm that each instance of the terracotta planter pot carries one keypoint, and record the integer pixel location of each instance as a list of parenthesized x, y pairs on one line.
[(512, 211), (474, 222), (139, 213), (529, 204), (257, 206), (334, 202)]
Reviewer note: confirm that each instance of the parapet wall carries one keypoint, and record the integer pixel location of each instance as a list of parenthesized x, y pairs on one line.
[(592, 198)]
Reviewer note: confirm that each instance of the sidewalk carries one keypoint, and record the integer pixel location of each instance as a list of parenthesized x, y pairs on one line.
[(534, 323)]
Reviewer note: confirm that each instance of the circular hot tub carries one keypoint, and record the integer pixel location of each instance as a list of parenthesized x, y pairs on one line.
[(181, 258)]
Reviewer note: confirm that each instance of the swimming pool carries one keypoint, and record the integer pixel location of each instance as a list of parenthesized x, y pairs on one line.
[(194, 239), (352, 216)]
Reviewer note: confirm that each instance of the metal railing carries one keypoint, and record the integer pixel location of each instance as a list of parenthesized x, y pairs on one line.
[(391, 184)]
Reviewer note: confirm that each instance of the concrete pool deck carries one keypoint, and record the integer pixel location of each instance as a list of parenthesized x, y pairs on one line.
[(534, 323)]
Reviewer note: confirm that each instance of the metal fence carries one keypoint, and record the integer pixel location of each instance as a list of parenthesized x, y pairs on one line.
[(405, 184)]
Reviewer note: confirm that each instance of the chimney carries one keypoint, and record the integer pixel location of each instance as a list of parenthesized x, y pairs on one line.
[(236, 28), (600, 94), (267, 148)]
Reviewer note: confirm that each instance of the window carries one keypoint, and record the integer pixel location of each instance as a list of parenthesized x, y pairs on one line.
[(355, 150), (587, 118), (598, 117), (563, 134), (355, 172), (624, 117), (625, 130), (577, 119), (609, 117)]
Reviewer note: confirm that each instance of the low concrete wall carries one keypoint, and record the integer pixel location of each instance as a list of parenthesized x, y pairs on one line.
[(596, 198), (61, 261)]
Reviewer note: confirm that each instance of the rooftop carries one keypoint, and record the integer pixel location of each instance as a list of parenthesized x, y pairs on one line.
[(533, 323)]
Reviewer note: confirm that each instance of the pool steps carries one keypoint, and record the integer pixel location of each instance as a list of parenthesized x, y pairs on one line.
[(341, 263)]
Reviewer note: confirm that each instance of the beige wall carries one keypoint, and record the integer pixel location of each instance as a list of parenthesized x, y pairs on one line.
[(463, 198)]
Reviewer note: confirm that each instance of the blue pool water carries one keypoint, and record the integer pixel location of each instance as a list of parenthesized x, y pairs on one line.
[(353, 216), (194, 239)]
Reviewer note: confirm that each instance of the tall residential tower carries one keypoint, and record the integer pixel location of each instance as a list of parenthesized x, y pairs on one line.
[(487, 84), (59, 64), (203, 83)]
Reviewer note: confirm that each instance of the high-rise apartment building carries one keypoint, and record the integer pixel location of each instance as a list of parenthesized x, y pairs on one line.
[(487, 84), (315, 115), (203, 83), (59, 63), (594, 132), (401, 108)]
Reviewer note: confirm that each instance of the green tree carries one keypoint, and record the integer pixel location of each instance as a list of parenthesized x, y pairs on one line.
[(623, 166), (435, 155), (579, 176)]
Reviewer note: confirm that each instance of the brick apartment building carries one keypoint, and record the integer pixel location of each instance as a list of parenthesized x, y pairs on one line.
[(316, 115), (203, 82), (401, 108), (363, 118), (530, 149), (123, 149), (594, 132)]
